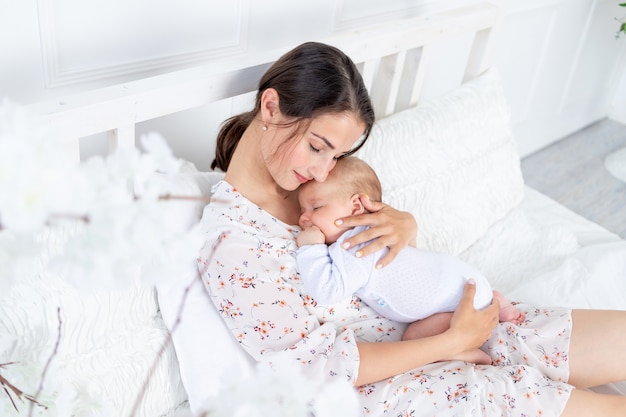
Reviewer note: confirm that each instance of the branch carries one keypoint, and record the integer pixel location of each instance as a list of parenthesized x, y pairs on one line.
[(164, 346), (6, 386), (45, 369), (204, 199)]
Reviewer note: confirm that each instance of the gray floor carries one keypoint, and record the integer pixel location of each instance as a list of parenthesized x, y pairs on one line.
[(572, 172)]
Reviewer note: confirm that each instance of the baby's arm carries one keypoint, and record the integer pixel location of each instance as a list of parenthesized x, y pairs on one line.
[(323, 268), (310, 236)]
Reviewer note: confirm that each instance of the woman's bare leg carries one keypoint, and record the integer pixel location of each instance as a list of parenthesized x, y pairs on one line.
[(597, 353), (584, 404), (597, 356)]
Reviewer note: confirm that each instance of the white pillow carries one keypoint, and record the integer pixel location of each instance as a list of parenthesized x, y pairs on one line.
[(107, 344), (452, 162), (204, 347)]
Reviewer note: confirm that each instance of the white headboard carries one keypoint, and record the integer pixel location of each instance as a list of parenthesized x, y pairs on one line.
[(392, 57)]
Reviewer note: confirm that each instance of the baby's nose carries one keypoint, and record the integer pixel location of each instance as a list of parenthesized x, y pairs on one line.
[(305, 221)]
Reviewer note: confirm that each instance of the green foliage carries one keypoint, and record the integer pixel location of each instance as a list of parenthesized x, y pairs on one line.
[(622, 29)]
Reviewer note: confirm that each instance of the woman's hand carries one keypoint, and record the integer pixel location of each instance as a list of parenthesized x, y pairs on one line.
[(391, 228), (468, 330), (470, 327)]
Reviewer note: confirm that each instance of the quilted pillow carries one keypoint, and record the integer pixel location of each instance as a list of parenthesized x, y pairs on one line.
[(452, 162)]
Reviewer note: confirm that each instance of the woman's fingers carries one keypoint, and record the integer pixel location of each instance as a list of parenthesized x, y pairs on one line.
[(370, 205), (388, 227), (475, 326)]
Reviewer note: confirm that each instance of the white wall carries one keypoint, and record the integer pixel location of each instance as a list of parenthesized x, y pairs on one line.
[(561, 66)]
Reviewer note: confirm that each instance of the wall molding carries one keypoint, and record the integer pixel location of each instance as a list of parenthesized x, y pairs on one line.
[(57, 75)]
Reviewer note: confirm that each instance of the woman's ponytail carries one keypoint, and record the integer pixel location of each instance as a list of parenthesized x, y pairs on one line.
[(228, 138)]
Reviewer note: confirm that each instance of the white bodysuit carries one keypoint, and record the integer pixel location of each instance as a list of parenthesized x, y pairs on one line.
[(417, 284)]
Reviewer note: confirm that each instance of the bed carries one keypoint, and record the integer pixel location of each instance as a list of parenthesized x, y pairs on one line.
[(450, 158)]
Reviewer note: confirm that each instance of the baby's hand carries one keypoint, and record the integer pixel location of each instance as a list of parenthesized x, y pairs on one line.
[(310, 236)]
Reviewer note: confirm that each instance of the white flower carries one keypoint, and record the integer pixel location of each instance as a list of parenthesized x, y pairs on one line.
[(282, 390), (336, 398), (19, 258), (160, 153), (128, 239), (37, 172)]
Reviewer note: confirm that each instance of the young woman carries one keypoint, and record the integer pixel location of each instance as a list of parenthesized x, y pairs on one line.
[(311, 109)]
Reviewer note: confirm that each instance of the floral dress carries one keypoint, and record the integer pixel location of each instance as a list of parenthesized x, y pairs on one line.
[(249, 268)]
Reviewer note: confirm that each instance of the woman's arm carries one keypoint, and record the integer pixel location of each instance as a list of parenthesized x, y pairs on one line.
[(389, 227), (469, 329)]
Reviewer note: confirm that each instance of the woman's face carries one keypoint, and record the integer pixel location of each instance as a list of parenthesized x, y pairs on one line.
[(311, 154)]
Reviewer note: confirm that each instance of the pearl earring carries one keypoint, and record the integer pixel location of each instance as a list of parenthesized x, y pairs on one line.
[(264, 128)]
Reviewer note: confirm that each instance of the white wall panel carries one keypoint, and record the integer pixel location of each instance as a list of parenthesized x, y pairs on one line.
[(561, 66), (20, 54), (91, 40), (592, 75), (521, 54), (617, 110), (286, 23)]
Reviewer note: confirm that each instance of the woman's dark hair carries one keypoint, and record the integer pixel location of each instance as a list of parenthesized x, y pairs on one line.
[(311, 79)]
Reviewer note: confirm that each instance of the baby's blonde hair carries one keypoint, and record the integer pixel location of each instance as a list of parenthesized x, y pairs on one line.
[(356, 176)]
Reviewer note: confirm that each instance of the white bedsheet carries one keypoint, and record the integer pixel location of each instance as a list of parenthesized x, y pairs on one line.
[(544, 254)]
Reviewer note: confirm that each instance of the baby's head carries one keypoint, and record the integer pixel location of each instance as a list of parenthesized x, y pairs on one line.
[(322, 203)]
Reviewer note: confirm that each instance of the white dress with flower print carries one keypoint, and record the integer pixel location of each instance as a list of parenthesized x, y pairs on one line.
[(249, 268)]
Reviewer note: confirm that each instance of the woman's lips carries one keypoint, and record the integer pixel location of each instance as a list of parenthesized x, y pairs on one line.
[(301, 179)]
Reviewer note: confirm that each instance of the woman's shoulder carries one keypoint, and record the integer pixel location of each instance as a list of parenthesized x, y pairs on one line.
[(225, 197), (229, 208), (223, 188)]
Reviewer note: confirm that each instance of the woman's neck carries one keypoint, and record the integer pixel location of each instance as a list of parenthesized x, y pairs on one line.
[(247, 172)]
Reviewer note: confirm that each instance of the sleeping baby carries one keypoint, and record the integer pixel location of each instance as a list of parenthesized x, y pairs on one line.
[(415, 286)]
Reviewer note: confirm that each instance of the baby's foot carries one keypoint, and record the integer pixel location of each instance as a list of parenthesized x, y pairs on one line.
[(512, 315), (508, 312)]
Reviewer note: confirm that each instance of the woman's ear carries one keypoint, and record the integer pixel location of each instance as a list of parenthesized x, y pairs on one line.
[(357, 205), (269, 105)]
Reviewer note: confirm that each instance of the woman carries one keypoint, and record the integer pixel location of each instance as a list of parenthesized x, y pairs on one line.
[(311, 109)]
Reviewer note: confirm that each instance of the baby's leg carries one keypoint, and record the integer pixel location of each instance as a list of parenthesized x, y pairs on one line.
[(430, 326), (439, 323), (508, 312)]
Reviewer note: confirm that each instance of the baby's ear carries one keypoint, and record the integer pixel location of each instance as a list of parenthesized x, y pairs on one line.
[(357, 205)]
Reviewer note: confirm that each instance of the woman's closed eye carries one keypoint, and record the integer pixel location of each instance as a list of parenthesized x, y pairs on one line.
[(318, 150)]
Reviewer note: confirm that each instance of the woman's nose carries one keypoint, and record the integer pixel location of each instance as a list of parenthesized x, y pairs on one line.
[(320, 175), (320, 171)]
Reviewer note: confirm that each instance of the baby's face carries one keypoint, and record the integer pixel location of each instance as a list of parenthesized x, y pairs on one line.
[(321, 204)]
